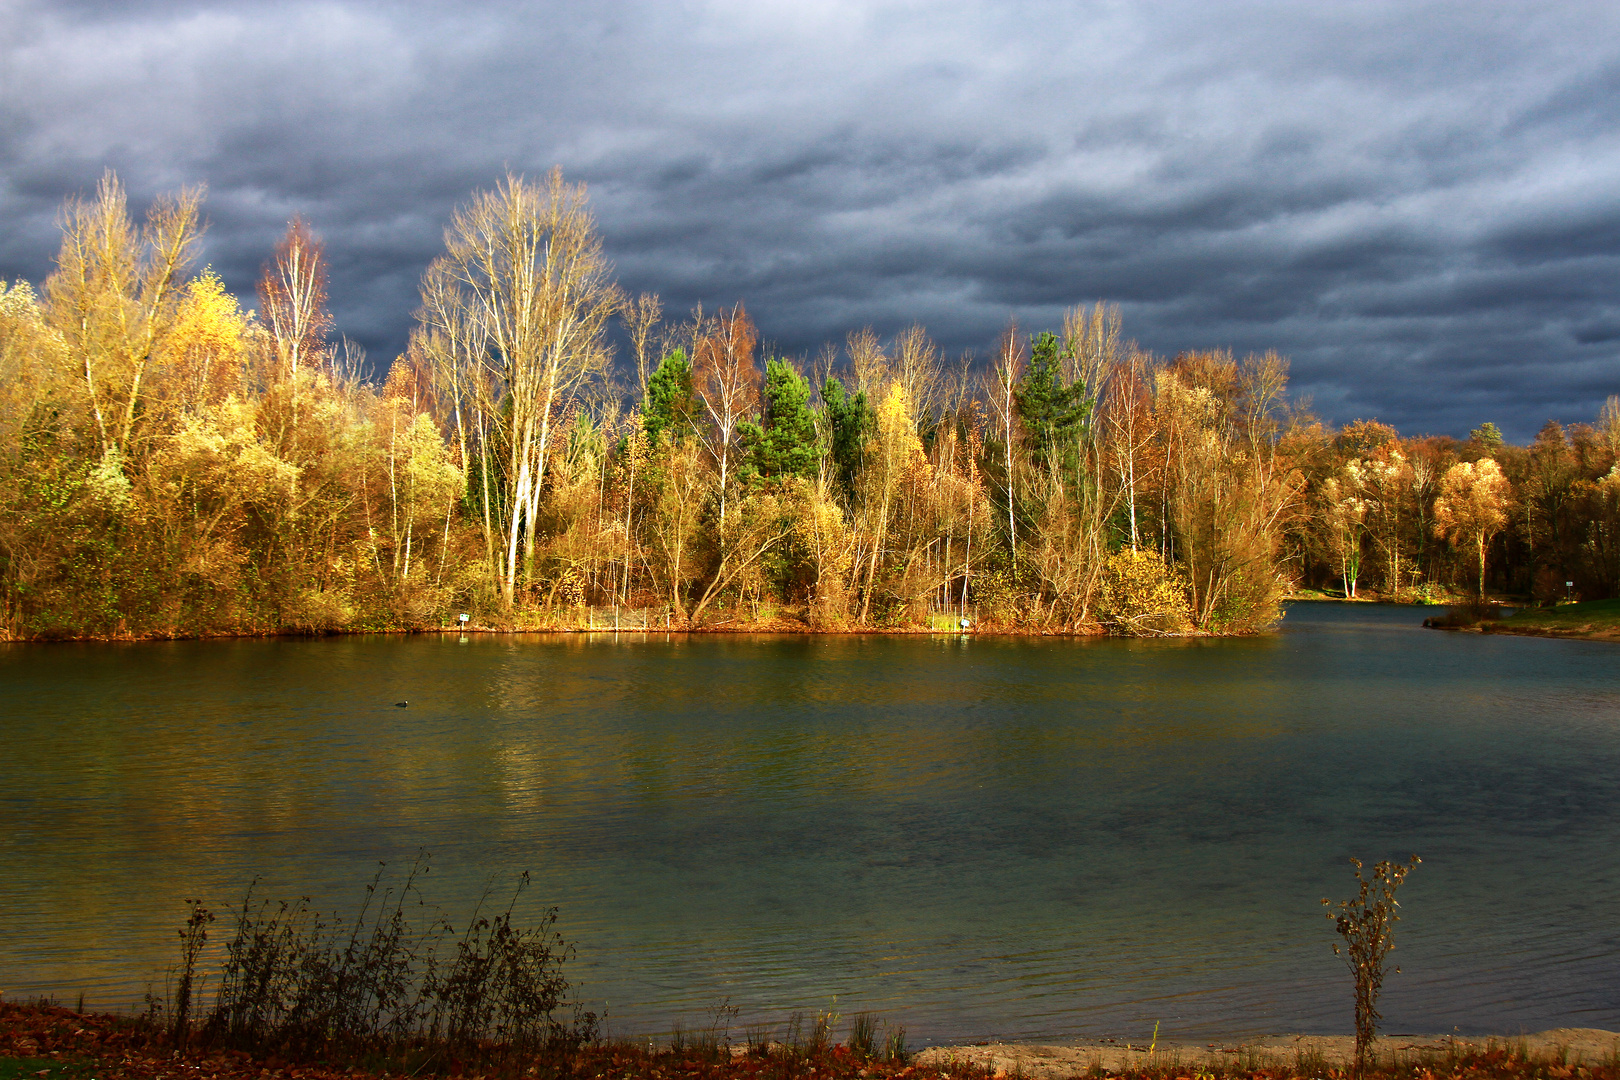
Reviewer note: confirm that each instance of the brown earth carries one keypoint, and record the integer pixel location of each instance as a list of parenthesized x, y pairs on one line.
[(44, 1042)]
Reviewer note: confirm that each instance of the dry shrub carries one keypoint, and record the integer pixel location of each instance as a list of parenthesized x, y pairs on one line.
[(1367, 925)]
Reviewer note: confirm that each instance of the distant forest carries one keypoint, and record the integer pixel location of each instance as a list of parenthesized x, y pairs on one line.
[(174, 465)]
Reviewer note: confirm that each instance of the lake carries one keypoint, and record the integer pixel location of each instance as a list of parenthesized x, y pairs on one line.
[(1014, 838)]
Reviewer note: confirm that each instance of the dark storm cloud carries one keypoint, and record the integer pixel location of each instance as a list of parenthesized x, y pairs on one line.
[(1416, 202)]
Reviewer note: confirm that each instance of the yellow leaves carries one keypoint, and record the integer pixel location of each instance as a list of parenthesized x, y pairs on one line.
[(894, 416), (1141, 595), (206, 346), (897, 451), (17, 300), (208, 316), (1193, 406), (32, 355), (219, 453), (428, 462), (1473, 500), (107, 480), (1609, 486), (826, 534)]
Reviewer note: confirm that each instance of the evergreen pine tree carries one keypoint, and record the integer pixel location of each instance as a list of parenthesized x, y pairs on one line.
[(668, 404), (1052, 413), (851, 422), (787, 446)]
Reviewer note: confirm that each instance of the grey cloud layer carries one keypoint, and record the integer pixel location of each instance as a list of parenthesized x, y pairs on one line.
[(1418, 203)]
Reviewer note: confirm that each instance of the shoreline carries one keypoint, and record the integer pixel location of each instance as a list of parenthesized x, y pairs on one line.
[(791, 627), (1603, 634), (1588, 620), (1057, 1061), (785, 626), (773, 628), (44, 1040)]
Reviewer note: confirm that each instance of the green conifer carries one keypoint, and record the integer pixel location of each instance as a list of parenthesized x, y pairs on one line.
[(1052, 413), (851, 422), (668, 404), (787, 445)]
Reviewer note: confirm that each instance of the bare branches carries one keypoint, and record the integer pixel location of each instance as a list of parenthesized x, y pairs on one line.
[(726, 379), (292, 299), (642, 315), (1367, 925), (513, 316)]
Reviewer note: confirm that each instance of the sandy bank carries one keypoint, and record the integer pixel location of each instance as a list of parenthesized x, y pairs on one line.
[(1060, 1062)]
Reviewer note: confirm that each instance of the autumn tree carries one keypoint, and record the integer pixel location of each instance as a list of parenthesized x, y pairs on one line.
[(725, 379), (113, 298), (1342, 510), (1472, 508), (208, 345), (292, 299), (524, 261), (894, 452), (414, 469), (681, 484), (916, 366), (1609, 425), (1230, 492), (1131, 431), (1549, 490)]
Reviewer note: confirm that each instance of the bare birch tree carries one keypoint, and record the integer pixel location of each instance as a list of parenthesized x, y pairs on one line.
[(641, 317), (523, 281), (1001, 387), (726, 380), (292, 299)]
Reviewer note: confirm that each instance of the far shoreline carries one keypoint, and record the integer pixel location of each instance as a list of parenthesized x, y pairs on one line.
[(1589, 621)]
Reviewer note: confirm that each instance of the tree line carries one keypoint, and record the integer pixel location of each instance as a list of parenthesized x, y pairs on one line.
[(176, 465)]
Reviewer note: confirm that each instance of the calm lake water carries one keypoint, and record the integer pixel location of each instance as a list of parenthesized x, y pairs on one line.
[(1029, 839)]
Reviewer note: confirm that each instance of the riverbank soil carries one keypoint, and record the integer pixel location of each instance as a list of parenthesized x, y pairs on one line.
[(43, 1042)]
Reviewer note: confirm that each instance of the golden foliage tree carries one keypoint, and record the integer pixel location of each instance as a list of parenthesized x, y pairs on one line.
[(1472, 507), (113, 299)]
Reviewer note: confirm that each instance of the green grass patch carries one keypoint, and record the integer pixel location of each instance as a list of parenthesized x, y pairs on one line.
[(33, 1068), (1586, 617), (1314, 594)]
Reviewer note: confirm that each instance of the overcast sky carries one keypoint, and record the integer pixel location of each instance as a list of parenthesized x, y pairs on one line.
[(1418, 203)]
